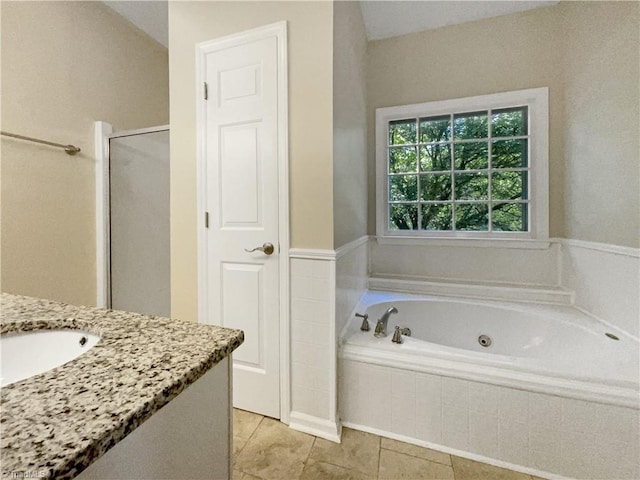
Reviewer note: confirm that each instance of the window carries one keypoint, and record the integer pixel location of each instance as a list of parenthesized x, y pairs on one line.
[(472, 167)]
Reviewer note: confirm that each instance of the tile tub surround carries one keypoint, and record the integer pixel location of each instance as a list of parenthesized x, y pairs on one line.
[(536, 433), (325, 286), (86, 406)]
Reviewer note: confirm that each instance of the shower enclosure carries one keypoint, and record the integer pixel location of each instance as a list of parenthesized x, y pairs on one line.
[(137, 244)]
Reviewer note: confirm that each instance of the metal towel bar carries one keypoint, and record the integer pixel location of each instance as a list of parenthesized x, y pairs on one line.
[(70, 149)]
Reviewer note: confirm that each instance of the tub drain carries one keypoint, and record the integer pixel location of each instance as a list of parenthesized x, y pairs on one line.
[(484, 340)]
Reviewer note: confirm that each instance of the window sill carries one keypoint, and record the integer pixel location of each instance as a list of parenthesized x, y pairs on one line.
[(519, 243)]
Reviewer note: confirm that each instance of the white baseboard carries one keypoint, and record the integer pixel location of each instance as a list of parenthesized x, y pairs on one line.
[(316, 426)]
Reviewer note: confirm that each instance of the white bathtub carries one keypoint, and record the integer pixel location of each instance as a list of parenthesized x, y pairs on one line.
[(550, 395), (549, 348)]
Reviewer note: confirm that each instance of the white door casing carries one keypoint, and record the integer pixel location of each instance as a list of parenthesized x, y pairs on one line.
[(243, 190)]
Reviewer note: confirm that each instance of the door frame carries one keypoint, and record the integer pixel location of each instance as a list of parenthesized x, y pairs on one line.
[(103, 132), (278, 30)]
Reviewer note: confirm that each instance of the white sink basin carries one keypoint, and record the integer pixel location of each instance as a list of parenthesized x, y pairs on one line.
[(30, 353)]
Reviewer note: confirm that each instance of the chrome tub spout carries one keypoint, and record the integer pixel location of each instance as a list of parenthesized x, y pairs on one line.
[(381, 326)]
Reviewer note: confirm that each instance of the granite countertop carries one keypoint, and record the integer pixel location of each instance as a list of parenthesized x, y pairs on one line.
[(55, 424)]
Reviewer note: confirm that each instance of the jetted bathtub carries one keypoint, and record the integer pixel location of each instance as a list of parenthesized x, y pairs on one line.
[(539, 388), (552, 348)]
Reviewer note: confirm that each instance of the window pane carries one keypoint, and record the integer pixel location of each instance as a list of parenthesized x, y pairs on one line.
[(435, 157), (472, 216), (509, 153), (402, 132), (510, 217), (509, 185), (509, 122), (470, 125), (472, 186), (436, 217), (402, 160), (472, 155), (434, 187), (403, 188), (403, 217), (435, 129)]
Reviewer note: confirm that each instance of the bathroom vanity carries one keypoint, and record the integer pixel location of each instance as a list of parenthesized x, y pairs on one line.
[(151, 399)]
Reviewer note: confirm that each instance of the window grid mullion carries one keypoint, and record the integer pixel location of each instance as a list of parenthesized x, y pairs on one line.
[(490, 171), (489, 166), (452, 151), (461, 202), (388, 199), (462, 140), (419, 169), (474, 170)]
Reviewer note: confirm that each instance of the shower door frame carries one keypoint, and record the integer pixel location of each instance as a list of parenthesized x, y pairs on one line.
[(103, 133)]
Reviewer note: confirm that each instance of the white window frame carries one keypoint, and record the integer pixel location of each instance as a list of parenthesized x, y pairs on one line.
[(537, 101)]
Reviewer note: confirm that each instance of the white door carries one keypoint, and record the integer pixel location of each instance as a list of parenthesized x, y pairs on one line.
[(242, 200)]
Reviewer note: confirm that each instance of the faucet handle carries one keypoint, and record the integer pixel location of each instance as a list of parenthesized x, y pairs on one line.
[(381, 329), (365, 324), (398, 332)]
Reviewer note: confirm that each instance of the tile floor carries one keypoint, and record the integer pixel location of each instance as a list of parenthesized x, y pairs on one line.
[(266, 449)]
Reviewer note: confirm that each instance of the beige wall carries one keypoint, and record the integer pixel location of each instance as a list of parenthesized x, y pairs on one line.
[(602, 121), (587, 53), (499, 54), (64, 66), (310, 39), (349, 124)]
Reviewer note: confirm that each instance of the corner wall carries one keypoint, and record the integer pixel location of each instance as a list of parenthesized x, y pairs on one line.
[(66, 65), (349, 124), (350, 162), (601, 67)]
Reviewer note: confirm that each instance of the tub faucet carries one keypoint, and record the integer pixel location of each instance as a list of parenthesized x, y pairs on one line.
[(381, 326)]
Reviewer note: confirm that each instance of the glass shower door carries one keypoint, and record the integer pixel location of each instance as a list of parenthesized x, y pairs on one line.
[(139, 222)]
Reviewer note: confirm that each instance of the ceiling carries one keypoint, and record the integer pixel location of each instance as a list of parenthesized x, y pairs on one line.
[(382, 19), (152, 17)]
